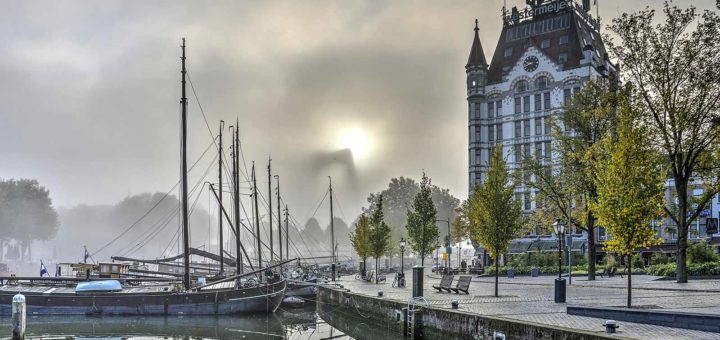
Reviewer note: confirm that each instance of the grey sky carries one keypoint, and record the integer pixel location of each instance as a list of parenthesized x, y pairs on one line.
[(89, 90)]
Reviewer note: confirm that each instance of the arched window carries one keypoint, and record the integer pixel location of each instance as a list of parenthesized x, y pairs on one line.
[(541, 83), (521, 86)]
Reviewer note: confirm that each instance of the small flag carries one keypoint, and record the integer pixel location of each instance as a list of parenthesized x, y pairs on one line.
[(43, 270), (86, 256), (58, 271)]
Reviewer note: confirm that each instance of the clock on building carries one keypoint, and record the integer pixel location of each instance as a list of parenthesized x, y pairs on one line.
[(531, 63)]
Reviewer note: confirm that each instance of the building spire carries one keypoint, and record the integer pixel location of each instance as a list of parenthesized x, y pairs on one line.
[(477, 56)]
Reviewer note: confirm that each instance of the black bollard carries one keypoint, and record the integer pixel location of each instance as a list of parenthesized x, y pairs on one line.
[(559, 290), (417, 281)]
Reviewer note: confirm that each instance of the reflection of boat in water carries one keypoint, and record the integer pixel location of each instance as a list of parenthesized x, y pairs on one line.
[(261, 293), (265, 326)]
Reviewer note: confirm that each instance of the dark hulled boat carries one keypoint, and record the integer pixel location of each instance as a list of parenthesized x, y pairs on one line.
[(148, 300)]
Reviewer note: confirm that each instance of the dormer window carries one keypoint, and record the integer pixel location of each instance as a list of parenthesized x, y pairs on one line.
[(474, 83), (508, 52), (563, 39), (562, 58), (521, 86)]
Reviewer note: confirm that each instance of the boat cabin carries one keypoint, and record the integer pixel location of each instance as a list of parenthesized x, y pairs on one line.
[(114, 270)]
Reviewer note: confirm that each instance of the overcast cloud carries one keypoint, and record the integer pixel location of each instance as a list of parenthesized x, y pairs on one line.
[(89, 91)]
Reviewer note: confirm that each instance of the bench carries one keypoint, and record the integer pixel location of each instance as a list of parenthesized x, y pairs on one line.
[(609, 272), (463, 285), (445, 284)]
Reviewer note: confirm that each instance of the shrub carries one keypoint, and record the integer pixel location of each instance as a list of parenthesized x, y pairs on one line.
[(701, 252), (660, 258), (694, 269)]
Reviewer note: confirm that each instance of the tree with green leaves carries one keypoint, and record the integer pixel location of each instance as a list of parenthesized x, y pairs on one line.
[(675, 67), (379, 234), (360, 240), (399, 195), (26, 213), (494, 215), (421, 228), (565, 187), (630, 184)]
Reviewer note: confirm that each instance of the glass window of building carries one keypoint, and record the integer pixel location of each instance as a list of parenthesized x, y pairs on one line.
[(545, 44), (518, 132), (526, 104), (546, 101), (538, 150), (517, 152), (491, 133), (562, 58), (563, 39), (521, 86), (541, 83), (477, 134), (526, 127), (526, 150), (538, 126), (566, 95), (538, 102), (478, 110), (499, 132), (548, 150), (508, 52), (491, 109), (518, 103), (526, 201), (498, 108), (546, 123)]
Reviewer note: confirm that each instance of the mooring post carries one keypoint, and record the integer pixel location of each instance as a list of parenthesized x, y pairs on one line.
[(417, 281), (18, 317)]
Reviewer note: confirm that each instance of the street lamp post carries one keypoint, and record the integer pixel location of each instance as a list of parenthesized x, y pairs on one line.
[(559, 228), (401, 277)]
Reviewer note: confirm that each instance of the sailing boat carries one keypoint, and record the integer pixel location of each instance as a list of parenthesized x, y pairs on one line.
[(302, 282), (260, 294)]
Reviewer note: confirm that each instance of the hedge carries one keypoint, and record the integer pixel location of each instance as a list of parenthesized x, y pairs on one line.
[(694, 269)]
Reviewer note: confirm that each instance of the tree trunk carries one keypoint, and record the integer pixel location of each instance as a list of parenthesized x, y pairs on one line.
[(682, 228), (422, 259), (377, 271), (591, 245), (497, 273), (629, 287)]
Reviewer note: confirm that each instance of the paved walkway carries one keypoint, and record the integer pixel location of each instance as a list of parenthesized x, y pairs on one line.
[(531, 299)]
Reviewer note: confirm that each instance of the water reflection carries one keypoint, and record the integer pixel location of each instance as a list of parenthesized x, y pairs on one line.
[(285, 324)]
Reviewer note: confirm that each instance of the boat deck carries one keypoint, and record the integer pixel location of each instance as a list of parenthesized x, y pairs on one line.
[(71, 290)]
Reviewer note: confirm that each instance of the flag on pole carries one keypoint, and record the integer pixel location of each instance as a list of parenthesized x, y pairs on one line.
[(86, 255), (43, 270)]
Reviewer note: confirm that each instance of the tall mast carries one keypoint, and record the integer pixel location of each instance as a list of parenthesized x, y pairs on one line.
[(279, 219), (257, 217), (287, 235), (332, 228), (270, 212), (220, 186), (236, 192), (184, 188)]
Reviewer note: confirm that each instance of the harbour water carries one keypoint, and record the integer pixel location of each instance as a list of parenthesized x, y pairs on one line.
[(285, 324)]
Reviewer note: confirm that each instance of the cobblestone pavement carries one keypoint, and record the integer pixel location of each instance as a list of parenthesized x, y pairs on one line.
[(531, 299)]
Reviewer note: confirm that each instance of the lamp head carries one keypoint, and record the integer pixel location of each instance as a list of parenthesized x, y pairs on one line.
[(559, 226), (402, 243)]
